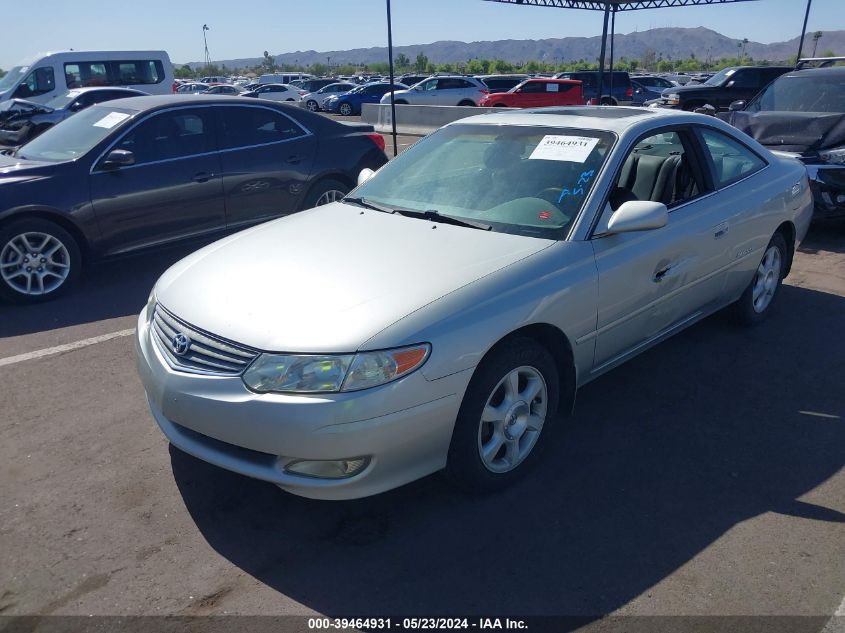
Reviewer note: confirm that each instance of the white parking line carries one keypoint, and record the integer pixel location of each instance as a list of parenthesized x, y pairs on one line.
[(67, 347)]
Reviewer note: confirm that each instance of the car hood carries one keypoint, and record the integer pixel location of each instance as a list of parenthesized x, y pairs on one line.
[(16, 169), (329, 279), (791, 131)]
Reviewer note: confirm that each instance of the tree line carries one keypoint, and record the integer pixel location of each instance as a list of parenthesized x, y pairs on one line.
[(650, 61)]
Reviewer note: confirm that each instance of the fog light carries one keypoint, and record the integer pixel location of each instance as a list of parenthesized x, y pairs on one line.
[(329, 468)]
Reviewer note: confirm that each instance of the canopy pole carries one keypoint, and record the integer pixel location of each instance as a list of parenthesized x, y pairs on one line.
[(390, 61), (603, 50), (803, 31), (612, 46)]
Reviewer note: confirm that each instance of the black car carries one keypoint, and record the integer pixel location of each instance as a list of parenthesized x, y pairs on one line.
[(802, 113), (313, 85), (411, 80), (723, 88), (30, 119), (501, 83), (117, 178), (616, 86)]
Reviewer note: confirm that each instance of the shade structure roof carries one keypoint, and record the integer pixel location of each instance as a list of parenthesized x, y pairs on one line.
[(615, 5)]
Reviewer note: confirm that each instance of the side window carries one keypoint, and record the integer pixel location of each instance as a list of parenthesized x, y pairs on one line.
[(246, 126), (732, 160), (38, 82), (140, 72), (534, 86), (84, 74), (747, 79), (169, 135), (657, 169), (431, 84)]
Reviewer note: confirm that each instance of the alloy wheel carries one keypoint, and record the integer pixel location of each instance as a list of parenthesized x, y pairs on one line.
[(34, 263), (512, 419), (332, 195), (766, 279), (312, 105)]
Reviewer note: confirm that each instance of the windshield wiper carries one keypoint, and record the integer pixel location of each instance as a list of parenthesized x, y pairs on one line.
[(368, 204), (436, 216)]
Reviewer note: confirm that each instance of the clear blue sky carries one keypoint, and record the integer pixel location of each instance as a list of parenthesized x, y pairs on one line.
[(245, 28)]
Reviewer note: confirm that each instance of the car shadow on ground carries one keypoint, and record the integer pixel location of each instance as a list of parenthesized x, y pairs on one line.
[(663, 456), (107, 290)]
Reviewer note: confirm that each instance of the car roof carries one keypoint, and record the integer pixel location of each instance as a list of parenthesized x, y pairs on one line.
[(612, 118), (816, 72), (153, 102), (96, 88)]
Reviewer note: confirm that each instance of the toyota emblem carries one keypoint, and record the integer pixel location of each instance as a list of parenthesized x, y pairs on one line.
[(181, 344)]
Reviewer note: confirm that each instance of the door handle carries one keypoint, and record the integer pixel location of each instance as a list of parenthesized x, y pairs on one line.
[(721, 230), (659, 275), (202, 176), (294, 160)]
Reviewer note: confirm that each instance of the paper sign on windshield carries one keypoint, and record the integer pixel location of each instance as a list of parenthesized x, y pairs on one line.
[(573, 149), (112, 119)]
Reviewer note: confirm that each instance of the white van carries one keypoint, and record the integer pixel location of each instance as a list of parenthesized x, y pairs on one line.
[(283, 78), (47, 75)]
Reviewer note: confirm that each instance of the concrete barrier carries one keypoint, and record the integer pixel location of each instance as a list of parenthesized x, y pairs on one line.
[(417, 120)]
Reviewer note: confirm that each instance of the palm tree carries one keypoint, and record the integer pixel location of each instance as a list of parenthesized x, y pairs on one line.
[(816, 37)]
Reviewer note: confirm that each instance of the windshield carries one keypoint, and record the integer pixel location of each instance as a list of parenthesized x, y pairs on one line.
[(12, 77), (802, 94), (519, 179), (720, 77), (75, 136), (60, 102)]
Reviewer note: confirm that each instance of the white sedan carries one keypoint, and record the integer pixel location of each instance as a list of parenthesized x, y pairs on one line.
[(276, 92)]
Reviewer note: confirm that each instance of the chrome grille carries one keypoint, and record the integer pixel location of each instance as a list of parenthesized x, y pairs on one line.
[(207, 354)]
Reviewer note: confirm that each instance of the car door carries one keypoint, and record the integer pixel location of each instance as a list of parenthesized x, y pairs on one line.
[(424, 93), (531, 94), (265, 158), (745, 213), (174, 189), (653, 282)]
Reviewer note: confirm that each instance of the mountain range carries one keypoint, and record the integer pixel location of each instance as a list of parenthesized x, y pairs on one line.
[(674, 43)]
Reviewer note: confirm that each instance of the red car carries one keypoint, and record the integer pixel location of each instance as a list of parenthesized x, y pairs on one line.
[(536, 93)]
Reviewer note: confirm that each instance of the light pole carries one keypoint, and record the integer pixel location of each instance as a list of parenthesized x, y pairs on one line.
[(205, 41), (390, 64)]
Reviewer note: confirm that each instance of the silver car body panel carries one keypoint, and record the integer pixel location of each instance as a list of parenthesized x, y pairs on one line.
[(341, 278)]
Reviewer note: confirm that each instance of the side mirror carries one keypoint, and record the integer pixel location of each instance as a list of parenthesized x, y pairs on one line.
[(730, 84), (365, 175), (76, 107), (638, 215), (119, 158), (736, 105)]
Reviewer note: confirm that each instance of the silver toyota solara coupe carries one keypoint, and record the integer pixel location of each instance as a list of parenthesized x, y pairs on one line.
[(444, 313)]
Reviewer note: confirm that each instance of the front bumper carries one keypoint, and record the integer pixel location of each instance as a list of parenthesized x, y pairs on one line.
[(404, 427)]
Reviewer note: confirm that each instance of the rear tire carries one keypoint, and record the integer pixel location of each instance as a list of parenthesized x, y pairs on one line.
[(756, 302), (506, 417), (499, 105), (345, 109), (400, 102), (323, 192), (312, 105), (47, 269), (467, 102)]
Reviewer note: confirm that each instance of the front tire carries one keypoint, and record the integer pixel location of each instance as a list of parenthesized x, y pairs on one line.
[(312, 105), (505, 417), (345, 109), (756, 302), (39, 261)]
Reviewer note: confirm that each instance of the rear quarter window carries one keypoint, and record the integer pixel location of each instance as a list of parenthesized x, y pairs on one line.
[(732, 161)]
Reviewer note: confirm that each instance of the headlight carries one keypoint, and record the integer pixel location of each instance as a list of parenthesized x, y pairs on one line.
[(150, 307), (294, 373), (673, 99), (836, 155)]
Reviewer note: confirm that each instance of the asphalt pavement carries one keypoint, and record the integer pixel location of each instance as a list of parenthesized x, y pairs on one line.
[(704, 477)]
